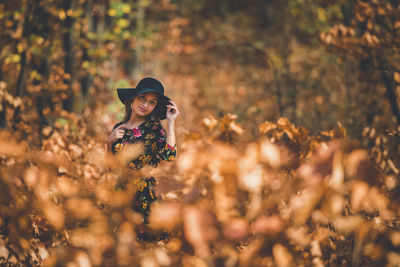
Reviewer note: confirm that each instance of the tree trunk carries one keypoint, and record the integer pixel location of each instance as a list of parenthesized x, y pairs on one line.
[(3, 111), (140, 21), (68, 47), (347, 11), (391, 95), (389, 83), (3, 115), (21, 77), (86, 79), (292, 90), (25, 34), (279, 94)]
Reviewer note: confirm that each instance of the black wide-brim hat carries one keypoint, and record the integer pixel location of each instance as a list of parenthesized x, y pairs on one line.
[(144, 86)]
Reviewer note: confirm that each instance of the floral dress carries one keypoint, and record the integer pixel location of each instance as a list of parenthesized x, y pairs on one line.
[(156, 149)]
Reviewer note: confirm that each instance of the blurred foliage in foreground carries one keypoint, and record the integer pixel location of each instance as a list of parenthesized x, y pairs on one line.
[(289, 199), (314, 62)]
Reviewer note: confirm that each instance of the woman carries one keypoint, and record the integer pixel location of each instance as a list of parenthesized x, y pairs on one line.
[(145, 106)]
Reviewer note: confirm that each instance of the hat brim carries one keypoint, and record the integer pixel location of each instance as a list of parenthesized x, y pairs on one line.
[(127, 94)]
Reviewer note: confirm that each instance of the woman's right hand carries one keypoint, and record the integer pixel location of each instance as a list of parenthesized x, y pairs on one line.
[(117, 133)]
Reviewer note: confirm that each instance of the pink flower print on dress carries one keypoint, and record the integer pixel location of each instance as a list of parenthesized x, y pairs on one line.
[(162, 132), (137, 132)]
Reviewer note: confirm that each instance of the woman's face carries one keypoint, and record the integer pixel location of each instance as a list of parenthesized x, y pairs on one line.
[(143, 104)]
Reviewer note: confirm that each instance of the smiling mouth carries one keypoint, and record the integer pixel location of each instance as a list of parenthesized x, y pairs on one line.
[(142, 109)]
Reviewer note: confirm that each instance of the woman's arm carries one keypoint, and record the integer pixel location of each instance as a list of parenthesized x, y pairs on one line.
[(172, 113), (171, 133)]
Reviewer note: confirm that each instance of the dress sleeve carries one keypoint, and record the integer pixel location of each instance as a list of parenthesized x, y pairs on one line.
[(162, 150), (117, 145)]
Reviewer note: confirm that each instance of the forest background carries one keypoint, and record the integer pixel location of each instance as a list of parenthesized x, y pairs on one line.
[(272, 82)]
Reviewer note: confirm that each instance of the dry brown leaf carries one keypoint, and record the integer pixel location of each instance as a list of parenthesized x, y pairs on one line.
[(31, 175), (166, 216), (80, 208), (210, 123), (267, 225), (315, 249), (54, 214), (358, 194), (271, 154), (267, 127), (282, 256), (236, 229), (4, 252), (348, 224), (199, 228), (299, 235), (395, 238)]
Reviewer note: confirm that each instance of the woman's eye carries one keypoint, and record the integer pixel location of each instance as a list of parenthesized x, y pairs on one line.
[(152, 102)]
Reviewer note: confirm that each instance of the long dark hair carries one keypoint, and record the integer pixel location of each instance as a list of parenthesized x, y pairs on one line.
[(128, 111)]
